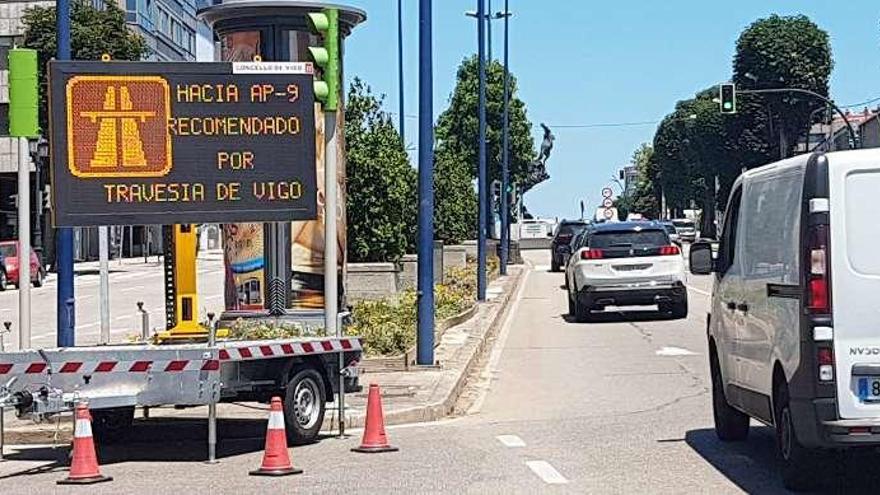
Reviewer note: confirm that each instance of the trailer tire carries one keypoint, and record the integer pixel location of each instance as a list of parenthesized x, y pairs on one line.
[(110, 426), (304, 406)]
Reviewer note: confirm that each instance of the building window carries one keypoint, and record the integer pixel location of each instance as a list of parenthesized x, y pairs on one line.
[(6, 42)]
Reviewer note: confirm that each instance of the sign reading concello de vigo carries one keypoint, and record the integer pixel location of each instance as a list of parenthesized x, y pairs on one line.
[(164, 143)]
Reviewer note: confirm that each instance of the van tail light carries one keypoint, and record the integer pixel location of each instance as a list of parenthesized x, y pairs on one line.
[(669, 250), (592, 254), (825, 360), (818, 281)]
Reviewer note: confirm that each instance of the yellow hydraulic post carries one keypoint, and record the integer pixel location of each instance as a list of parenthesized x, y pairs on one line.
[(186, 302)]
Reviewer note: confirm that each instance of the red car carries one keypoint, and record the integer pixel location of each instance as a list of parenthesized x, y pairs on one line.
[(9, 259)]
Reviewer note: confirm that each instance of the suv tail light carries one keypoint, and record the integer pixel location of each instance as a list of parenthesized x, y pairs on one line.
[(592, 254), (669, 250), (818, 286)]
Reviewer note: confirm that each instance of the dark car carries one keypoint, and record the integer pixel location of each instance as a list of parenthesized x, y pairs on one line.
[(560, 247)]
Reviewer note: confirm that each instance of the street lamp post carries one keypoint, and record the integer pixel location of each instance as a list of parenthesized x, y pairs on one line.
[(425, 337), (400, 88), (65, 309), (505, 160), (482, 180)]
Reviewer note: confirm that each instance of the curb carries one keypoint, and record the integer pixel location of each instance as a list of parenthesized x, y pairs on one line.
[(444, 406)]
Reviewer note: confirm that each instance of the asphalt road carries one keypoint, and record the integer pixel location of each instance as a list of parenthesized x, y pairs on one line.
[(619, 406), (131, 280)]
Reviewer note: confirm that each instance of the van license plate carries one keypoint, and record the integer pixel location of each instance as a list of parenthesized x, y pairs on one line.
[(869, 389)]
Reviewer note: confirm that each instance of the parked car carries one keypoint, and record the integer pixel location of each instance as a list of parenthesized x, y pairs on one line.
[(9, 252), (686, 228), (793, 336), (626, 264), (672, 232), (560, 246)]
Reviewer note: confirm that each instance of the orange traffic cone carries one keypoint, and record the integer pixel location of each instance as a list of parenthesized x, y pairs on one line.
[(276, 460), (374, 440), (84, 468)]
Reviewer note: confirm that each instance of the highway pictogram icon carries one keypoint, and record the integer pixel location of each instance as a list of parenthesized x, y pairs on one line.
[(117, 126)]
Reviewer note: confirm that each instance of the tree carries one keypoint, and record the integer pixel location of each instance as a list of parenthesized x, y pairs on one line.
[(644, 199), (784, 52), (458, 126), (94, 32), (455, 198), (381, 183)]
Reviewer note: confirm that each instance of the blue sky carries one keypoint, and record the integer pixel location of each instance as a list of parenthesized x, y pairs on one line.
[(591, 62)]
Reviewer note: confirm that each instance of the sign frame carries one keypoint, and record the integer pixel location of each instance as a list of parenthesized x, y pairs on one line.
[(284, 161)]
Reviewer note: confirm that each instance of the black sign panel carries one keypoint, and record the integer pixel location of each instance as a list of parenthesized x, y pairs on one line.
[(164, 143)]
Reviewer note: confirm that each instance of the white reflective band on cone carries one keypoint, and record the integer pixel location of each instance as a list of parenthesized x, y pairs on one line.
[(276, 420), (83, 429)]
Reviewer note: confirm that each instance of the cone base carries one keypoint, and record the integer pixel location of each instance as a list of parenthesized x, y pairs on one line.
[(374, 449), (275, 472), (91, 480)]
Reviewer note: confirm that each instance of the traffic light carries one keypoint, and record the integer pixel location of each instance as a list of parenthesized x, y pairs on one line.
[(326, 57), (728, 98), (496, 193)]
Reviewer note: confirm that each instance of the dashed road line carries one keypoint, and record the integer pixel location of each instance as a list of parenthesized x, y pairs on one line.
[(674, 351), (546, 472), (511, 441), (541, 268)]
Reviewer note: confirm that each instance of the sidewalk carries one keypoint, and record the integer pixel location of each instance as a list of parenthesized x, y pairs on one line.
[(408, 396)]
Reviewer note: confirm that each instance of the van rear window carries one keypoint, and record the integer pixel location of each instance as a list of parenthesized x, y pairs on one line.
[(862, 235)]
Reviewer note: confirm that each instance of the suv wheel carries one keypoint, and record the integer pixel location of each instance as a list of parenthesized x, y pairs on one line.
[(731, 425), (581, 312), (680, 308), (571, 303), (798, 462), (38, 282), (554, 266), (3, 280)]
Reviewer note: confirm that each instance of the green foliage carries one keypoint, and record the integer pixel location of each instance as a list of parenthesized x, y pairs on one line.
[(780, 52), (93, 33), (381, 183), (388, 325), (458, 126), (268, 330), (644, 199), (455, 198)]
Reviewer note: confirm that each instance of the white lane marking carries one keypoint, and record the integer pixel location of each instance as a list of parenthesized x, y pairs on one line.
[(511, 441), (546, 472), (83, 327), (541, 268), (215, 296), (700, 291), (132, 289), (674, 351)]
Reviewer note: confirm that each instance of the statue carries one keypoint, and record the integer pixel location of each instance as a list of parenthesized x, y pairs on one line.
[(546, 145)]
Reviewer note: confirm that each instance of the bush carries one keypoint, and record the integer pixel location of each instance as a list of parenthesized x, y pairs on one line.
[(388, 325)]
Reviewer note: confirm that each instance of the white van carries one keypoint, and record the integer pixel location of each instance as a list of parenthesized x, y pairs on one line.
[(794, 328)]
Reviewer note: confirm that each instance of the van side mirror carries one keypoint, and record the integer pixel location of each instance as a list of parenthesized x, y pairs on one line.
[(700, 258)]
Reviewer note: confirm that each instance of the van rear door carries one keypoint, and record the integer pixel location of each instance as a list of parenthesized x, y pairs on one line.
[(854, 180)]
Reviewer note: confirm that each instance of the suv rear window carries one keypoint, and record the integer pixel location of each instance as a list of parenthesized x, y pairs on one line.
[(571, 228), (630, 240)]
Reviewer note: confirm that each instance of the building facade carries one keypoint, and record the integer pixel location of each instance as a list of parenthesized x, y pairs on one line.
[(171, 31)]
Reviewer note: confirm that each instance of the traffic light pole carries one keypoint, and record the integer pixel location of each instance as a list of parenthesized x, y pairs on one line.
[(400, 88), (65, 307), (482, 181), (24, 245), (425, 336)]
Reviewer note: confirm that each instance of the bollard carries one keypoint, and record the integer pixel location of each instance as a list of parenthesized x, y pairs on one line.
[(212, 407), (145, 321)]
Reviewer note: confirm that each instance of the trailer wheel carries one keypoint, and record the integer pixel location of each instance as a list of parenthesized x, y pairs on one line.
[(304, 405), (111, 426)]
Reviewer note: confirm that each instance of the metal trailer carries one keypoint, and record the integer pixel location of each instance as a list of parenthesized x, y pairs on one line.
[(114, 380)]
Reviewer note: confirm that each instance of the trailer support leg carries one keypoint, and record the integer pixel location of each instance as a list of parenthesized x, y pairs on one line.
[(212, 407)]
